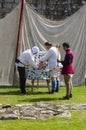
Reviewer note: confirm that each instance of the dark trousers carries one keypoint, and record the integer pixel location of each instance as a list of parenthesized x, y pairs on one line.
[(22, 79)]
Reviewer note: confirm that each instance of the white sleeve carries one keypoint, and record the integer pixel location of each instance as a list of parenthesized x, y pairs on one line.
[(46, 56), (32, 63)]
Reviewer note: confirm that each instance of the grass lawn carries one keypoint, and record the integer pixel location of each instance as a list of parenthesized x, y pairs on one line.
[(11, 95)]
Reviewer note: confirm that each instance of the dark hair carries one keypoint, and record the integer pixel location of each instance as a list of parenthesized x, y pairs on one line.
[(65, 44), (47, 44)]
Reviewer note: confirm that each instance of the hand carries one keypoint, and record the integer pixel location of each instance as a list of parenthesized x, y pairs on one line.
[(58, 60), (42, 65)]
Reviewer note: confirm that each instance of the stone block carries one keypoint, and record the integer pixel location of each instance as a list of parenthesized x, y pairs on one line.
[(9, 1), (17, 1), (0, 6), (7, 5), (1, 1)]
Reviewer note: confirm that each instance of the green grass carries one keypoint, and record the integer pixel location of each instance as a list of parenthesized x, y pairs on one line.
[(11, 95), (76, 122)]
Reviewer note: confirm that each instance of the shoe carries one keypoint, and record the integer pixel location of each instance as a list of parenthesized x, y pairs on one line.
[(23, 92), (67, 97), (57, 90), (52, 92), (70, 95)]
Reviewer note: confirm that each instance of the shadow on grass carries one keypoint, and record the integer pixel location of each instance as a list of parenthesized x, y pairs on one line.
[(37, 93), (4, 87), (10, 93), (38, 100), (17, 92)]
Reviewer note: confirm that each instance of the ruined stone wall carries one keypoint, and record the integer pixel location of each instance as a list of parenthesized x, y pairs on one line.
[(52, 9), (56, 9), (6, 6)]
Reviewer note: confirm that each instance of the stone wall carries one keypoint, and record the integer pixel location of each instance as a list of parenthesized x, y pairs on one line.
[(6, 6), (52, 9), (56, 9)]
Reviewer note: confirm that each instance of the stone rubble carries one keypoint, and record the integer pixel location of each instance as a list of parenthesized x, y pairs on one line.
[(39, 110)]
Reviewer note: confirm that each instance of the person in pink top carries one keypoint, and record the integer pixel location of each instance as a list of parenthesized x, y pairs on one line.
[(68, 70)]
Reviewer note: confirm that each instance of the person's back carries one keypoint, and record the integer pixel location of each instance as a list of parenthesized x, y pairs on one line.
[(52, 61), (51, 57), (25, 56)]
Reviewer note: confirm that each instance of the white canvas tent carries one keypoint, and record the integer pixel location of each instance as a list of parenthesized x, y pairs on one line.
[(35, 30), (8, 38)]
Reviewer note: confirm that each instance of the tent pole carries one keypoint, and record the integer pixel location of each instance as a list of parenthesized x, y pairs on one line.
[(19, 27), (18, 36)]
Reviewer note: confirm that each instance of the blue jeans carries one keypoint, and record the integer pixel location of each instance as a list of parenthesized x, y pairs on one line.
[(54, 85), (58, 85)]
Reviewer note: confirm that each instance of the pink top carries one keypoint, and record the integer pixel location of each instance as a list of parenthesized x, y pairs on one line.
[(67, 65)]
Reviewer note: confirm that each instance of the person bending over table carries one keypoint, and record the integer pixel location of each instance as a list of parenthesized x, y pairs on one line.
[(25, 59)]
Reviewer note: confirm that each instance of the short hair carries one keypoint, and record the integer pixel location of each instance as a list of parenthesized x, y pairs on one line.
[(65, 44), (48, 44)]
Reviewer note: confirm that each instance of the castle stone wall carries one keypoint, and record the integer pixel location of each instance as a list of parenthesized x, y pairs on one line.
[(52, 9)]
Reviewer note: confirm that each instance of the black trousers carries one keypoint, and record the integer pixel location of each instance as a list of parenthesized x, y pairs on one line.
[(22, 79)]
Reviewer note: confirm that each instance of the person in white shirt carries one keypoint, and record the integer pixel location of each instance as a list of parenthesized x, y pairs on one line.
[(51, 57), (25, 59)]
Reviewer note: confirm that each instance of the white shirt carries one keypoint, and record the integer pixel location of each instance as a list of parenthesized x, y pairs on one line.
[(51, 56), (27, 58)]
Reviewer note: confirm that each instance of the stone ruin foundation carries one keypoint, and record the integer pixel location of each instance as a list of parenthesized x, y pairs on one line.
[(39, 110)]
